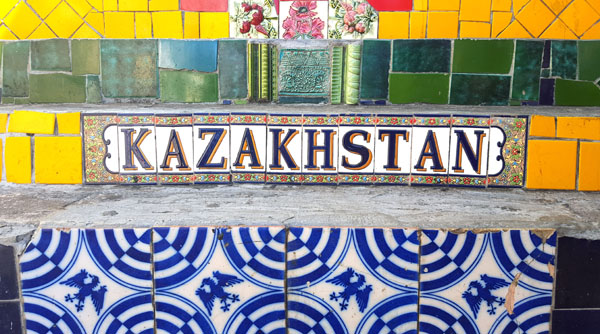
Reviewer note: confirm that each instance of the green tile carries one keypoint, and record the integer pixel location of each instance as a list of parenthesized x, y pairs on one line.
[(129, 68), (576, 93), (589, 60), (545, 73), (50, 55), (421, 55), (233, 75), (482, 56), (57, 88), (15, 81), (564, 59), (8, 100), (94, 94), (528, 63), (375, 69), (188, 86), (422, 88), (22, 100), (86, 56), (492, 90)]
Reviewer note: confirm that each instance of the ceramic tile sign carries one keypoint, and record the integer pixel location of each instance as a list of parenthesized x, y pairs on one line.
[(435, 150)]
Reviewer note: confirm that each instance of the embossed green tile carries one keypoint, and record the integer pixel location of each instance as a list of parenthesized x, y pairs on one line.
[(188, 86), (375, 68), (304, 75), (337, 65), (86, 56), (57, 88), (15, 80), (564, 59), (419, 88), (50, 55), (233, 77), (482, 56), (421, 55), (129, 68), (589, 60), (94, 93), (576, 93), (473, 89), (528, 63)]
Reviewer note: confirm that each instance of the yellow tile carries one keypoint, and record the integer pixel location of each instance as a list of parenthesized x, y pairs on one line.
[(442, 25), (23, 121), (143, 25), (542, 126), (578, 127), (64, 21), (97, 4), (6, 6), (110, 5), (557, 5), (474, 30), (157, 5), (515, 30), (42, 32), (168, 25), (500, 20), (3, 118), (418, 25), (502, 5), (589, 166), (58, 160), (69, 123), (86, 32), (558, 30), (22, 21), (444, 5), (393, 25), (1, 153), (214, 25), (595, 4), (518, 5), (119, 25), (579, 16), (43, 7), (551, 164), (475, 10), (420, 5), (536, 17), (96, 21), (6, 34), (82, 7), (133, 5), (593, 33), (191, 29), (17, 159)]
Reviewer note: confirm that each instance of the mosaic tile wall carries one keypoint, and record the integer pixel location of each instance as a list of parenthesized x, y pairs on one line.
[(334, 19)]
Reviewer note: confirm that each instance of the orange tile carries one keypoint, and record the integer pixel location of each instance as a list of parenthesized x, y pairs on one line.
[(595, 4), (551, 164), (579, 16), (542, 126), (557, 5), (444, 5), (475, 10), (536, 17), (518, 5), (393, 25), (593, 33), (578, 127), (502, 5), (191, 28), (442, 25), (418, 25), (558, 30), (474, 30), (500, 20), (420, 5), (589, 166), (515, 30)]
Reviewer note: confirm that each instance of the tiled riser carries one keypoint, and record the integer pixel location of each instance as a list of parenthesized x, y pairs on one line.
[(310, 149), (312, 280)]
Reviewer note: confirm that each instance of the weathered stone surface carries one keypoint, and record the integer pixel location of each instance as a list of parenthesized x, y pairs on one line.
[(57, 88), (233, 78), (50, 55), (86, 56), (188, 86), (15, 81), (137, 58)]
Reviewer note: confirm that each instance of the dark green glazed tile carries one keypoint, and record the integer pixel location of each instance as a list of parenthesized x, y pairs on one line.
[(589, 60), (86, 56), (528, 63), (491, 90), (545, 73), (564, 59), (8, 100), (57, 88), (481, 56), (421, 56), (375, 69), (419, 88), (94, 94), (576, 93), (233, 76), (50, 55), (15, 81), (22, 100), (188, 86), (129, 68)]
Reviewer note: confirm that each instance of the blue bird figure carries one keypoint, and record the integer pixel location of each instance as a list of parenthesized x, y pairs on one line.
[(478, 292), (88, 285), (214, 287), (354, 285)]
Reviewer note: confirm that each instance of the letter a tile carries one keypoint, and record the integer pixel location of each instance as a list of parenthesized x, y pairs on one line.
[(174, 148)]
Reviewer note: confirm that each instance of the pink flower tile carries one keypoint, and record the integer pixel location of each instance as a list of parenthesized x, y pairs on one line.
[(303, 19)]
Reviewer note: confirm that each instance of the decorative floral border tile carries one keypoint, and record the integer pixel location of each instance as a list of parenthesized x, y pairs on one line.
[(253, 19), (351, 19), (512, 153), (303, 19), (101, 166)]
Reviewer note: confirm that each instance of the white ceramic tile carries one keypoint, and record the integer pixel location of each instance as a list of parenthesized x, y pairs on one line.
[(284, 149), (174, 148), (245, 19), (111, 139), (430, 146), (356, 149), (211, 148), (475, 147), (248, 147), (320, 149), (352, 19), (303, 19), (137, 149)]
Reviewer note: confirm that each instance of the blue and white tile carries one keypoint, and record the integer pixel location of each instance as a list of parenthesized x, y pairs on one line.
[(219, 280), (343, 280), (88, 281), (494, 282)]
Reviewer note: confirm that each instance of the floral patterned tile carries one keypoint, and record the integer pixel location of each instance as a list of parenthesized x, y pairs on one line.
[(305, 19), (101, 154), (508, 148), (352, 19), (495, 282), (253, 19)]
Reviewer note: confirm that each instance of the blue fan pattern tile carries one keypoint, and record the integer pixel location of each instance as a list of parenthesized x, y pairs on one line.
[(263, 280)]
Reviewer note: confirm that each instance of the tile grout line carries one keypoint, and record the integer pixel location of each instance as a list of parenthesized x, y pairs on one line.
[(152, 267), (419, 236), (285, 282)]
